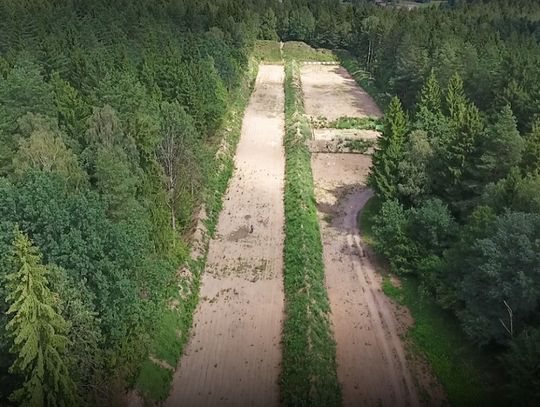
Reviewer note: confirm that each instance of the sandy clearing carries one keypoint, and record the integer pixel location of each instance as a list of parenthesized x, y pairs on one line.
[(331, 92), (233, 357), (372, 367)]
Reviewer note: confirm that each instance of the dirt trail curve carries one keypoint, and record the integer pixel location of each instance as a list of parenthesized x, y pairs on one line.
[(233, 357), (372, 367)]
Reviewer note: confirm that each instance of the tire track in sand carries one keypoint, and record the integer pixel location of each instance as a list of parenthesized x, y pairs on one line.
[(372, 365), (234, 354)]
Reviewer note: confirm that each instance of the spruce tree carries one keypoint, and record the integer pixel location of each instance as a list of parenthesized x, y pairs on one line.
[(38, 332), (384, 176), (456, 101), (502, 147), (429, 115)]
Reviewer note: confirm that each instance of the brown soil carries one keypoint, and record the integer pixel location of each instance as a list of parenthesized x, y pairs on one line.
[(331, 92), (233, 357), (372, 367)]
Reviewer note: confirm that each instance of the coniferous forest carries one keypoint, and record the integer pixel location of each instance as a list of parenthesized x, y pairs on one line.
[(109, 121)]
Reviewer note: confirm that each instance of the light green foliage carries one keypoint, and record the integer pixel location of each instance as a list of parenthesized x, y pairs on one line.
[(42, 148), (38, 331)]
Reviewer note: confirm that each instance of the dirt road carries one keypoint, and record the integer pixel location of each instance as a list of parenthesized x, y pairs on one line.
[(331, 92), (372, 367), (233, 357)]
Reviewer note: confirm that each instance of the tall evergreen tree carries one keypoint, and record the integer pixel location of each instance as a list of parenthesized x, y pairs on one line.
[(502, 147), (38, 331), (456, 101), (384, 176)]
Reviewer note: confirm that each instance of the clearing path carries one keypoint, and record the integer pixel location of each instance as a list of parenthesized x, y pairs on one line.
[(233, 357), (331, 92), (372, 367)]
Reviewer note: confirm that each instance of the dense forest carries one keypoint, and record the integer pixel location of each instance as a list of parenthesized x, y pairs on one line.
[(108, 112), (108, 120)]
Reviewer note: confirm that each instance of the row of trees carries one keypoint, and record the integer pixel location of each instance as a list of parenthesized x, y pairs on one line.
[(108, 112), (460, 211)]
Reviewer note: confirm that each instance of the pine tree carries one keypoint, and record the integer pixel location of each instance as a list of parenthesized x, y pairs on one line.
[(38, 332), (384, 176)]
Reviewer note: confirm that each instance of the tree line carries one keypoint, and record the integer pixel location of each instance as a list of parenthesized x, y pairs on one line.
[(108, 116)]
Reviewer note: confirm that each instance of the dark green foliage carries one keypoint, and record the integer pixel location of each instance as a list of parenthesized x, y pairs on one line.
[(523, 361), (89, 95), (384, 175)]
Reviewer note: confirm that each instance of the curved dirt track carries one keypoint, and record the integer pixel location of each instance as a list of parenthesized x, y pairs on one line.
[(372, 367), (233, 357)]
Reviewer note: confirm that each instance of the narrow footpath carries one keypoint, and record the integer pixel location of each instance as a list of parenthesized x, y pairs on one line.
[(234, 354)]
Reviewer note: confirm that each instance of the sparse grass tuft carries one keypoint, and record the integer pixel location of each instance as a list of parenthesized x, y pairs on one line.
[(308, 375), (361, 123)]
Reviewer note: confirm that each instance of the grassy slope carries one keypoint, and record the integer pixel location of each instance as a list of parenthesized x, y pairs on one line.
[(458, 365), (267, 51), (309, 375), (172, 332), (300, 51)]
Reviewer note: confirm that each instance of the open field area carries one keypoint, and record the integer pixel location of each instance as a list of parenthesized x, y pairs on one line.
[(332, 93), (233, 356)]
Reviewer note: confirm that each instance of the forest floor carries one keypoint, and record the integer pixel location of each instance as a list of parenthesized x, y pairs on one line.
[(373, 365), (234, 354)]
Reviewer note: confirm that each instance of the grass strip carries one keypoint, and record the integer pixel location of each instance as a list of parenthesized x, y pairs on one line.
[(309, 375), (172, 332), (461, 368)]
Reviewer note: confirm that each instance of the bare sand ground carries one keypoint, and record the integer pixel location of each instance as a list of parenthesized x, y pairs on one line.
[(372, 365), (233, 357), (331, 92), (351, 134)]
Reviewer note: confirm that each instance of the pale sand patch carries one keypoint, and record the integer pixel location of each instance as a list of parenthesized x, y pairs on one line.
[(331, 92), (233, 357)]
